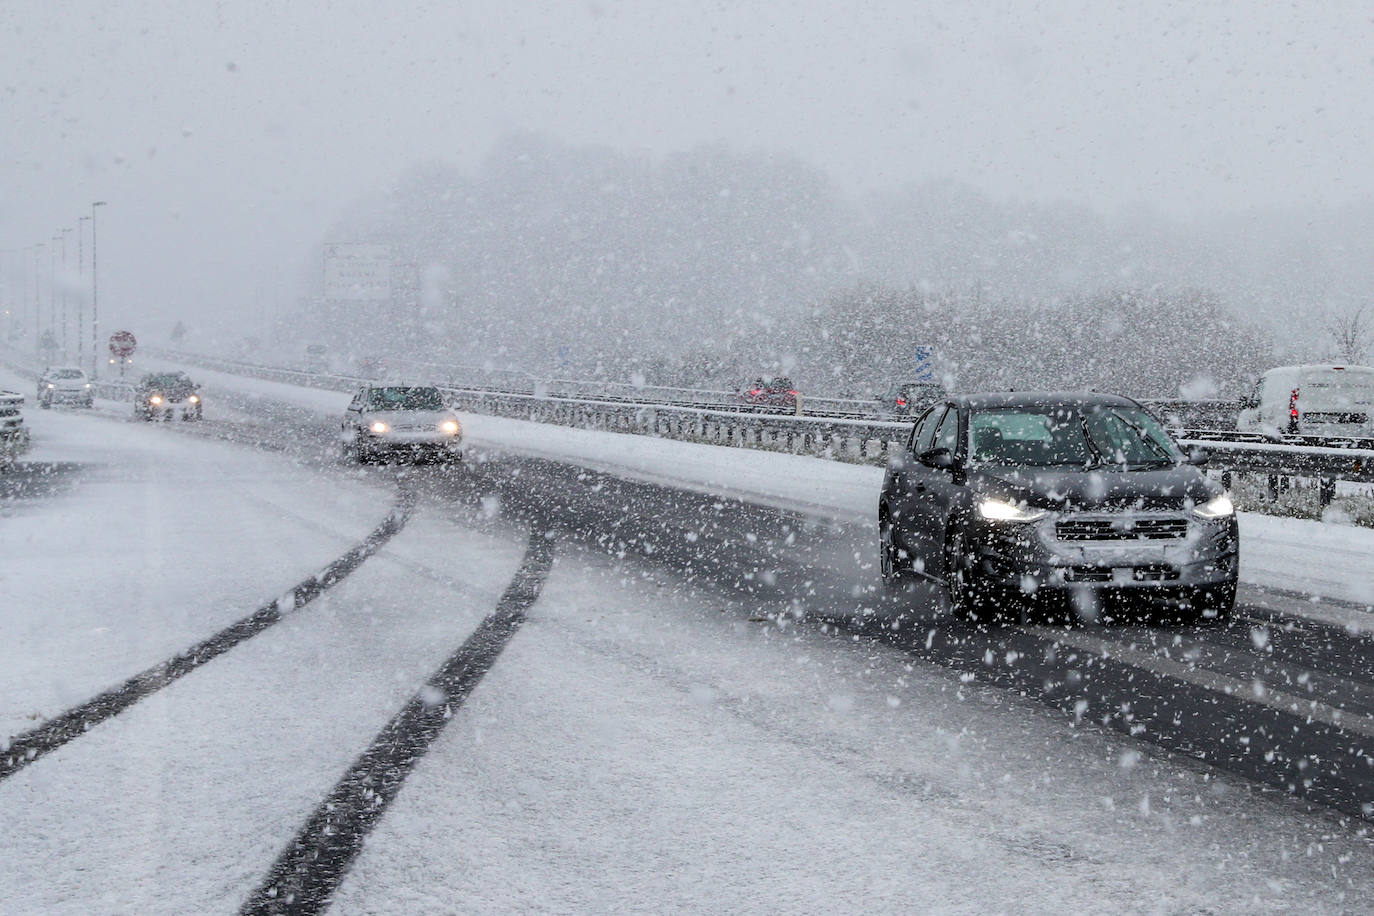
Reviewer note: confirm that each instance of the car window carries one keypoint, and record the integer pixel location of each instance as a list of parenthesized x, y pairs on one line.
[(947, 433), (405, 398), (928, 427)]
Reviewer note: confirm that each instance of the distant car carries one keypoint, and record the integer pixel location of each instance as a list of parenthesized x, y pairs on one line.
[(908, 399), (776, 392), (400, 420), (1007, 499), (1328, 401), (167, 396), (64, 385)]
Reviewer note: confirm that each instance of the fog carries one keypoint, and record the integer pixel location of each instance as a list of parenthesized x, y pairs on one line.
[(599, 186)]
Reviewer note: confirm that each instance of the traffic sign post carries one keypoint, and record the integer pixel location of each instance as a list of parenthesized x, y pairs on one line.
[(122, 346), (925, 364)]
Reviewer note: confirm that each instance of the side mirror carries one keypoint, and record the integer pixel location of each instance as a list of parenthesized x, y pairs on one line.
[(1199, 457), (938, 458)]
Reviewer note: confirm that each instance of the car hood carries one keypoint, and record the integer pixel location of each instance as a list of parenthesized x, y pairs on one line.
[(1168, 488)]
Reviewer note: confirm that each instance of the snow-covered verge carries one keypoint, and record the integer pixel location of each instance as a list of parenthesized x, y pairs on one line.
[(1319, 559)]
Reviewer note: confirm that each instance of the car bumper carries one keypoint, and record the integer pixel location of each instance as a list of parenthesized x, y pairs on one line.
[(1030, 558), (68, 395), (416, 443)]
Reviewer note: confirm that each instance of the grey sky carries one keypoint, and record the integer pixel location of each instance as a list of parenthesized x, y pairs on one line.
[(226, 136)]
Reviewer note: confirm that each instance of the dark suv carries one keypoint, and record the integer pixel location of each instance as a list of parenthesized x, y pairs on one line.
[(1009, 499)]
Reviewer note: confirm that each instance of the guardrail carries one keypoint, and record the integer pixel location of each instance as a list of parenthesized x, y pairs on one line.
[(862, 440), (14, 436)]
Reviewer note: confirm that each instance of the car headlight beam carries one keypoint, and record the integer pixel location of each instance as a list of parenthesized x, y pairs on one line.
[(449, 427), (1216, 507), (1000, 510), (155, 400), (379, 427)]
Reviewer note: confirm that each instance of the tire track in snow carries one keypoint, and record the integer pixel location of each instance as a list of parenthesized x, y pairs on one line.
[(24, 749), (310, 869)]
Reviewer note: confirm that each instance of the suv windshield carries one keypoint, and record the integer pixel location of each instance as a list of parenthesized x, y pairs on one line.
[(168, 380), (66, 373), (1062, 437), (405, 398)]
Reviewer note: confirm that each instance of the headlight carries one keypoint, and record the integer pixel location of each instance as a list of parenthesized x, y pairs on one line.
[(450, 427), (998, 510), (51, 385), (194, 399), (155, 399), (88, 384), (379, 427), (1217, 507)]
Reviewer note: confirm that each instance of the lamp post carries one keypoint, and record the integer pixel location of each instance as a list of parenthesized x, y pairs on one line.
[(37, 249), (81, 303), (95, 301), (52, 286), (62, 278)]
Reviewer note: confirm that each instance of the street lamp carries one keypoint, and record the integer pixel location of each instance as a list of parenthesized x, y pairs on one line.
[(37, 249), (95, 301), (81, 303), (63, 277), (52, 290)]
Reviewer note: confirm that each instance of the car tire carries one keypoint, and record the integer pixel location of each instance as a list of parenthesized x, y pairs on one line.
[(45, 404), (889, 564)]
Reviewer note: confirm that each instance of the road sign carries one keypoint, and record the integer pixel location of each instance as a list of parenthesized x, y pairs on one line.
[(122, 344), (357, 272), (924, 370)]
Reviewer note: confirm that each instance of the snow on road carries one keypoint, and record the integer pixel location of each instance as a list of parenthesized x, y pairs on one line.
[(639, 746), (145, 542)]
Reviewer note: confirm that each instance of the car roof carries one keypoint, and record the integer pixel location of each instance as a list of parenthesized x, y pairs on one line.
[(1076, 399)]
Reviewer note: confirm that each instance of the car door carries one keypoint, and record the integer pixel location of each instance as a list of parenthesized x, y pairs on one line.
[(907, 493), (938, 490), (353, 413)]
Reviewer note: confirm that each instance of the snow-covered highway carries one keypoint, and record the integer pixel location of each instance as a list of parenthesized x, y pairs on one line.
[(678, 725)]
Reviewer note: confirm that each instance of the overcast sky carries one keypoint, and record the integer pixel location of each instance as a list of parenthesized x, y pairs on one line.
[(226, 136)]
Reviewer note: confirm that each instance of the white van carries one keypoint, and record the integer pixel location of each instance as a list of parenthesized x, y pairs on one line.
[(1332, 401)]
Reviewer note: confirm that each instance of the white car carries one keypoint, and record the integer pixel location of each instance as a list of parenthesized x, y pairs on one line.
[(64, 385), (1322, 400), (405, 420)]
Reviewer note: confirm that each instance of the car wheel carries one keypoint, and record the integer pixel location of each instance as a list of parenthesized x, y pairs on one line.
[(888, 564), (45, 404)]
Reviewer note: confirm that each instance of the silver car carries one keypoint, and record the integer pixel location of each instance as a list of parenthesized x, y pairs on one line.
[(64, 385), (400, 420)]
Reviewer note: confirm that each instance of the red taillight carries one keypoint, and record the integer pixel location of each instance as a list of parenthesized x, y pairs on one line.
[(901, 402), (755, 392), (793, 392), (1293, 411)]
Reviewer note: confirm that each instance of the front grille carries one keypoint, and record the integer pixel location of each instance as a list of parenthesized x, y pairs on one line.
[(1152, 573), (1104, 529), (1332, 417), (1088, 574)]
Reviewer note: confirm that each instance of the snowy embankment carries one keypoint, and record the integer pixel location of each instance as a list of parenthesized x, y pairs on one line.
[(1320, 559)]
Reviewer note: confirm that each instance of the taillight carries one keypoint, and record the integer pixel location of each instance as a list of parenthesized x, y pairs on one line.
[(1293, 411), (901, 402), (755, 392), (793, 392)]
